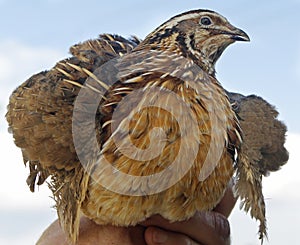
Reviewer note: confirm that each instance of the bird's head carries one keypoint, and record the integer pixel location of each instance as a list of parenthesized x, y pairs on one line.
[(202, 35)]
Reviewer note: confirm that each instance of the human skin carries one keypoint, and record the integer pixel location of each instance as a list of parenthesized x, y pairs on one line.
[(204, 228)]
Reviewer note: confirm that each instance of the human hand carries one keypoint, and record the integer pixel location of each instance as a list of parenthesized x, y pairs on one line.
[(205, 228)]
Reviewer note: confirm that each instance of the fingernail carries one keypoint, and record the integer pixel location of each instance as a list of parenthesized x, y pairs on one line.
[(159, 236)]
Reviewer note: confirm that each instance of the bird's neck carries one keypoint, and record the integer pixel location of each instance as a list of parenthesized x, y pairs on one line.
[(175, 45), (199, 56)]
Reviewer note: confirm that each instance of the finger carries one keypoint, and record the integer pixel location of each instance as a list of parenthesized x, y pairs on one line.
[(209, 228), (228, 201), (155, 236)]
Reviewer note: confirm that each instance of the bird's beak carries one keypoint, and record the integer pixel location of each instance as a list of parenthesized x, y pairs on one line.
[(239, 35)]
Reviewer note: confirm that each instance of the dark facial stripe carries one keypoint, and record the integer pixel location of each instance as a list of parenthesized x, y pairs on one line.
[(192, 43), (184, 49), (161, 35)]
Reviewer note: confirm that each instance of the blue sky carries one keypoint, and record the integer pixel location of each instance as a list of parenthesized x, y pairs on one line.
[(36, 34)]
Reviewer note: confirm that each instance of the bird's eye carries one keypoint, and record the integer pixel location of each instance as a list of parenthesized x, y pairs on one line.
[(205, 21)]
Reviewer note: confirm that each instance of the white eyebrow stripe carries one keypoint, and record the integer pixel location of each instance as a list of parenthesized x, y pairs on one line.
[(173, 22), (176, 20)]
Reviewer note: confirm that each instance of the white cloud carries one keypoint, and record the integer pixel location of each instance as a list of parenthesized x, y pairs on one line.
[(14, 192), (22, 212), (27, 224), (286, 182)]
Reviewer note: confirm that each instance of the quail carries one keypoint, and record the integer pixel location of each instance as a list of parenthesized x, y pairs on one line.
[(129, 128)]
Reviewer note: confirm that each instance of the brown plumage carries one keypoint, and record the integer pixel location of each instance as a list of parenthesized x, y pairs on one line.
[(262, 150), (175, 63), (264, 134)]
